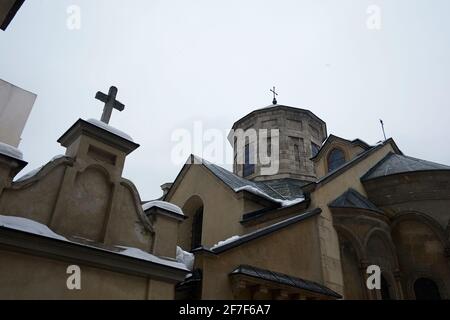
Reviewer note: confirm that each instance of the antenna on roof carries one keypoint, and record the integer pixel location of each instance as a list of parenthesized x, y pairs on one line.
[(382, 127)]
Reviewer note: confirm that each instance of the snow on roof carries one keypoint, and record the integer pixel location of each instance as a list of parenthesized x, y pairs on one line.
[(226, 241), (33, 227), (10, 151), (163, 205), (240, 184), (142, 255), (30, 226), (109, 128), (289, 203), (34, 172), (185, 258), (258, 192), (28, 175)]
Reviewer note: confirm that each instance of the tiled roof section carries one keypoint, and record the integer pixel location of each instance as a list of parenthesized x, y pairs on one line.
[(395, 163), (353, 199), (284, 279), (229, 178), (283, 189), (288, 188)]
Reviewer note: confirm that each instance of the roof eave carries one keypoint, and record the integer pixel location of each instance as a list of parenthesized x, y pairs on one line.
[(11, 14)]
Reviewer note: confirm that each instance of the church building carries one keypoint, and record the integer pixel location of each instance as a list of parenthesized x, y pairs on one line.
[(334, 208), (313, 229), (337, 219)]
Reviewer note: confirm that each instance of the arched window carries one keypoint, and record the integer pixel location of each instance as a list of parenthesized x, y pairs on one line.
[(426, 289), (197, 226), (385, 294), (336, 158), (190, 230)]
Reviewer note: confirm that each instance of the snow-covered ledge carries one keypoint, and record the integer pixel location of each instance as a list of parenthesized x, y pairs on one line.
[(110, 129), (163, 207), (10, 151), (101, 132), (181, 262), (11, 163)]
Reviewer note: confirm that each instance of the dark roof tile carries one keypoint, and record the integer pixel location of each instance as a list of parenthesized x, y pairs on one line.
[(396, 163), (284, 279), (353, 199), (282, 189)]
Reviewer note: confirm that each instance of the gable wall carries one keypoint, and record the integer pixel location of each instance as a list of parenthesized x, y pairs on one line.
[(223, 208), (350, 151), (34, 201)]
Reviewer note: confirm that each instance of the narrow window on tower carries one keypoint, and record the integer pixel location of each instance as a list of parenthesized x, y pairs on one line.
[(235, 154), (297, 155), (314, 149), (249, 166)]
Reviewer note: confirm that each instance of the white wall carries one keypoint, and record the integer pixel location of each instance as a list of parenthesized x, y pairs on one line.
[(15, 107)]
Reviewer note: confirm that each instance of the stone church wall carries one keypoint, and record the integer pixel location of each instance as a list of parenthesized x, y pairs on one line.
[(30, 277)]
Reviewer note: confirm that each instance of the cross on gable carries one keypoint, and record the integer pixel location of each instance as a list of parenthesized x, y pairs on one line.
[(110, 103), (274, 96)]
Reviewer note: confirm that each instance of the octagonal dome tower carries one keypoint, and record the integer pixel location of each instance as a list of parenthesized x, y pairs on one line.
[(301, 133)]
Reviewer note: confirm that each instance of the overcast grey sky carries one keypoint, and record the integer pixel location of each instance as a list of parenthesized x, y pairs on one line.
[(178, 61)]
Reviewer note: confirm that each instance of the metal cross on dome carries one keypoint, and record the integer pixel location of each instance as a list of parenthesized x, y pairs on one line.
[(275, 94), (110, 103)]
